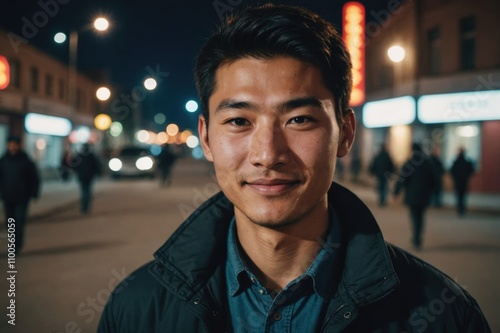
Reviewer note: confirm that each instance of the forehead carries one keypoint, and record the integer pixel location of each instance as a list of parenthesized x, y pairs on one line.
[(268, 81)]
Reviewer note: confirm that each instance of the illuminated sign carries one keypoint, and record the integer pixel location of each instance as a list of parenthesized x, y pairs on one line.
[(389, 112), (459, 107), (353, 31), (4, 73), (41, 124)]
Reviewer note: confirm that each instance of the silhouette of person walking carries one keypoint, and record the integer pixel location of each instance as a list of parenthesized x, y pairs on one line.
[(87, 167), (461, 172), (382, 167), (417, 179), (19, 182), (166, 160), (437, 167)]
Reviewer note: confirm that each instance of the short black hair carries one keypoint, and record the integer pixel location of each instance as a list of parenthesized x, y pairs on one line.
[(269, 31)]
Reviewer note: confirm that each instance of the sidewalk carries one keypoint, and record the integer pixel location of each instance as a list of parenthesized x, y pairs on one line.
[(56, 195)]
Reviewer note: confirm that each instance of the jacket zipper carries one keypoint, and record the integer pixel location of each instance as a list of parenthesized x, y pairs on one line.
[(331, 316)]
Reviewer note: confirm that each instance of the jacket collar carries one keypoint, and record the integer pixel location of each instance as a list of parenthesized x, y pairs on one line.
[(198, 247)]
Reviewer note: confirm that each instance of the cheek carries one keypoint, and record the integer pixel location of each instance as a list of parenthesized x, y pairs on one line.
[(228, 152)]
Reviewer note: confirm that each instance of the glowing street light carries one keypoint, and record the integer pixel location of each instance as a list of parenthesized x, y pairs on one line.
[(191, 106), (150, 83), (103, 94), (396, 53), (172, 129), (101, 24), (102, 121), (60, 38)]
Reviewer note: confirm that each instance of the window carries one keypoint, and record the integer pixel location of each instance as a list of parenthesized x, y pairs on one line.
[(15, 74), (48, 85), (34, 79), (468, 43), (434, 42), (61, 89)]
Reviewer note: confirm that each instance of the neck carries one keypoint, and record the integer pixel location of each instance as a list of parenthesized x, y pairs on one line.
[(278, 256)]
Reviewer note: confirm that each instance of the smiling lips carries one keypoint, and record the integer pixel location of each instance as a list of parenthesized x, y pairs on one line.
[(271, 186)]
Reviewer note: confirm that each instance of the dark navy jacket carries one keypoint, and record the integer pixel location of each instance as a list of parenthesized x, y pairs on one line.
[(379, 288)]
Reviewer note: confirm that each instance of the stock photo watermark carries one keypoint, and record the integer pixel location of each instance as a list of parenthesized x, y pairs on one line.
[(91, 307), (11, 271)]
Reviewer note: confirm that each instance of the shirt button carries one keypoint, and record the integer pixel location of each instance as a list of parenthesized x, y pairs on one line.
[(252, 279), (347, 315), (261, 291), (277, 316)]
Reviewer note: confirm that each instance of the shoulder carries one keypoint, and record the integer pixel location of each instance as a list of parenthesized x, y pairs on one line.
[(140, 303), (135, 290)]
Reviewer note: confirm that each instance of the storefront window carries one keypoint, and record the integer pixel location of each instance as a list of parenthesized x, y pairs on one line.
[(462, 135)]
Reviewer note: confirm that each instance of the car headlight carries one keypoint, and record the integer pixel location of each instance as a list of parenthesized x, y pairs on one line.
[(144, 163), (115, 164)]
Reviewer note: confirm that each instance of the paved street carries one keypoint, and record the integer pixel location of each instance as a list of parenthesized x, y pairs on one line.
[(71, 262)]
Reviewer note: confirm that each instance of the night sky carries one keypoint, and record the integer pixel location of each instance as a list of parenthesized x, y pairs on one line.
[(163, 34)]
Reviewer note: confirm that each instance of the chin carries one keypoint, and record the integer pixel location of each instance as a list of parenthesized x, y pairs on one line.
[(272, 220)]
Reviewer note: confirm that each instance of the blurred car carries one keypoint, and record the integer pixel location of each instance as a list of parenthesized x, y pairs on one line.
[(133, 161)]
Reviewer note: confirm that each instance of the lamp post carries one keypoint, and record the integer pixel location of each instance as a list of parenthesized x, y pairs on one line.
[(100, 24), (396, 54)]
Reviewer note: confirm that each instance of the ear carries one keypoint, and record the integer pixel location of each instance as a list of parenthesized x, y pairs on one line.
[(347, 133), (203, 132)]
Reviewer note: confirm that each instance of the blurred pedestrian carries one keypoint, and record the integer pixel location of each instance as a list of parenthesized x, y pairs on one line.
[(19, 182), (437, 167), (65, 167), (87, 167), (461, 172), (382, 168), (166, 160), (417, 179)]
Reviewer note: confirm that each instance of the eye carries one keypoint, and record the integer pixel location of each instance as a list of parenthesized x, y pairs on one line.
[(238, 122), (301, 120)]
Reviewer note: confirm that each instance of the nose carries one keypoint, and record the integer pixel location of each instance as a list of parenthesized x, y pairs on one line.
[(269, 147)]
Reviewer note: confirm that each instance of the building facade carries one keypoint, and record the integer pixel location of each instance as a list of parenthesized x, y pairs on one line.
[(36, 104), (445, 93)]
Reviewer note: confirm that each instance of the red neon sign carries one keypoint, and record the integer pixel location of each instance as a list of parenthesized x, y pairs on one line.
[(4, 73), (353, 33)]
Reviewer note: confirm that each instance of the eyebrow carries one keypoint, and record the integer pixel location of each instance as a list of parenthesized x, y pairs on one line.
[(282, 107)]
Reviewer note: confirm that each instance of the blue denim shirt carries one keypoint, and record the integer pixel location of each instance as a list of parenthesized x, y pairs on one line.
[(297, 308)]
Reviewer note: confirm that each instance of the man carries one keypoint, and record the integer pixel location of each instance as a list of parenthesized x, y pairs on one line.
[(417, 178), (166, 160), (382, 168), (461, 172), (19, 182), (87, 167), (437, 167), (281, 248)]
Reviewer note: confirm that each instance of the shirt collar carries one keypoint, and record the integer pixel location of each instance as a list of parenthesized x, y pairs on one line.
[(235, 269), (321, 270)]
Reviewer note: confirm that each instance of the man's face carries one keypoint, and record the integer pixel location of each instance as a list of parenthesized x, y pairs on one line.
[(13, 147), (273, 138)]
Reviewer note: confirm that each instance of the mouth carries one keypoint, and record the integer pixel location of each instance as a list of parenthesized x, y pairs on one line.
[(271, 186)]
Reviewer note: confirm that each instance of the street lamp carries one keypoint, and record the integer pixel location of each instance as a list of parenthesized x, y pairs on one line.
[(150, 83), (396, 54), (103, 94), (100, 24), (191, 106)]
